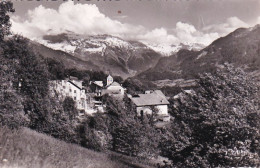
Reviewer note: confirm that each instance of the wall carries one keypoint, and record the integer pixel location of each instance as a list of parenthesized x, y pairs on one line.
[(162, 110), (113, 90), (145, 109)]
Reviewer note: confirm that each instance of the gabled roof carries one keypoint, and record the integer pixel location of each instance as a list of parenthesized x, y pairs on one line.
[(114, 84), (98, 83), (154, 98), (109, 76), (74, 85)]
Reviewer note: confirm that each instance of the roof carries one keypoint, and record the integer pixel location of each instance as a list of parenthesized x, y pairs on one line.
[(181, 94), (73, 78), (99, 83), (74, 85), (114, 84), (69, 81), (154, 98)]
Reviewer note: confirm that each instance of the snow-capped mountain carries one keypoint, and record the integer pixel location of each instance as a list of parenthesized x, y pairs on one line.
[(109, 53), (94, 44), (72, 43), (165, 49)]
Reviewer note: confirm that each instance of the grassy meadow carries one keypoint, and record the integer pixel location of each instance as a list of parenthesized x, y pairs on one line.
[(25, 148)]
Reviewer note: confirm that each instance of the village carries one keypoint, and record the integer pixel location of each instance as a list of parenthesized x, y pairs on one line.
[(88, 100)]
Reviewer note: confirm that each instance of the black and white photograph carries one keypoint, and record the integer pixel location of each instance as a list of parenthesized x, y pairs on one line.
[(129, 83)]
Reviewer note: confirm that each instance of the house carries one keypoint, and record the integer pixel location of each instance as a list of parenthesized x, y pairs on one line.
[(96, 87), (150, 102), (71, 87)]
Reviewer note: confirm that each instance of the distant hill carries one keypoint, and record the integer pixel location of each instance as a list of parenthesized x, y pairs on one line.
[(240, 48), (26, 148)]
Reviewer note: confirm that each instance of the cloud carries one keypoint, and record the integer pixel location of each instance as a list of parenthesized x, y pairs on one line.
[(79, 18), (187, 33), (228, 26), (88, 20), (158, 35), (182, 33)]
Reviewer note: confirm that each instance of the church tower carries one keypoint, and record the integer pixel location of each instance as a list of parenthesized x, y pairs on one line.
[(109, 80)]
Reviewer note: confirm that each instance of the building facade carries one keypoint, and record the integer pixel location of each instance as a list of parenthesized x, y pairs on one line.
[(70, 88)]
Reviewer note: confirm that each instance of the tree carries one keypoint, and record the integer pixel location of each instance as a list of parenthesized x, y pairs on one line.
[(56, 69), (131, 135), (11, 109), (5, 8), (30, 78), (219, 122), (69, 107)]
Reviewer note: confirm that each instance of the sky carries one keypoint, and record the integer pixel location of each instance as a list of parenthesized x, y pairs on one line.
[(149, 21)]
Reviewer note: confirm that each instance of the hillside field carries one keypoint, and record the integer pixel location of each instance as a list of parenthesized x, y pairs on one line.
[(25, 148)]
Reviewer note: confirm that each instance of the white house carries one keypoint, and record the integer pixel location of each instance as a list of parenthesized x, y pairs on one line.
[(150, 102), (71, 87)]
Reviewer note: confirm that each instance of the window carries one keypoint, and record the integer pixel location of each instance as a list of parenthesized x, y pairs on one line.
[(64, 87), (75, 91), (142, 113), (70, 90), (74, 98)]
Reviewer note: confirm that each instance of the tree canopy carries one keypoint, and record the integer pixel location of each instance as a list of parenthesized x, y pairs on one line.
[(5, 8), (218, 124)]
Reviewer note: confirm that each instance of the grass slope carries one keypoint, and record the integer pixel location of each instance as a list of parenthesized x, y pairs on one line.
[(25, 148)]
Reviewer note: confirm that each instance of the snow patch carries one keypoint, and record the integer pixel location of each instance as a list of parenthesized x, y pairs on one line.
[(93, 50), (164, 49)]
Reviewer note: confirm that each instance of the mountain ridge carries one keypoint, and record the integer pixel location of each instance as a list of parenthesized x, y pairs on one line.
[(103, 53), (136, 59), (240, 48)]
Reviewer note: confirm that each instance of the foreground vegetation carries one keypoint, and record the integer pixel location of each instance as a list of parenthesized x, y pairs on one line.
[(26, 148)]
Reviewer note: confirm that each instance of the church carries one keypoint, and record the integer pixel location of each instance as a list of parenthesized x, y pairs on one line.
[(113, 88)]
